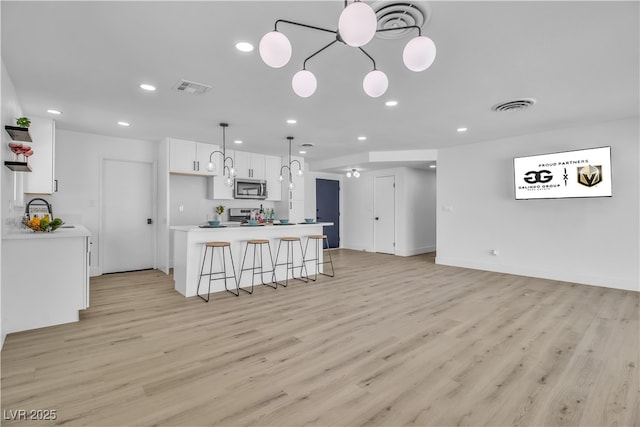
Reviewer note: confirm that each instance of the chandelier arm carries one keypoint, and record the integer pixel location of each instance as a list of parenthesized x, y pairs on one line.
[(285, 167), (284, 21), (214, 152), (369, 56), (298, 162), (382, 30), (304, 64)]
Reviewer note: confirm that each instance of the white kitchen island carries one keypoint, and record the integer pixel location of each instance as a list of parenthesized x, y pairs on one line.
[(188, 250), (45, 277)]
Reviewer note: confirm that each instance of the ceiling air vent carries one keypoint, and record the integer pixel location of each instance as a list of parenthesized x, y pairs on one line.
[(306, 144), (518, 104), (395, 14), (192, 87)]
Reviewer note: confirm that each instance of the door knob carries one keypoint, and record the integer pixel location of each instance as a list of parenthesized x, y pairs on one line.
[(377, 218), (149, 221)]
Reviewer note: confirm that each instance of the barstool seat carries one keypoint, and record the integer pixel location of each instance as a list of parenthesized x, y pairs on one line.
[(319, 238), (257, 243), (289, 264), (211, 273)]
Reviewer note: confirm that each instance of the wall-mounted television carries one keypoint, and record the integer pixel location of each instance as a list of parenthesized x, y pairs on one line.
[(568, 174)]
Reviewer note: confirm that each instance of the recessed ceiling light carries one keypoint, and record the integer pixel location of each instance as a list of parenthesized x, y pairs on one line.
[(362, 138), (462, 130), (148, 87), (391, 103), (244, 46), (292, 121), (54, 112), (432, 166), (237, 141), (124, 124), (302, 152)]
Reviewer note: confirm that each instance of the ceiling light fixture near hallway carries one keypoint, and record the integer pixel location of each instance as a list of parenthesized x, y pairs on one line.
[(391, 103), (362, 138), (292, 121), (125, 124), (237, 141), (244, 47), (461, 130), (147, 87), (357, 25), (56, 112), (354, 173)]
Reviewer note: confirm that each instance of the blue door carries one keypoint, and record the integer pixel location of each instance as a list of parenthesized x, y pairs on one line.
[(328, 208)]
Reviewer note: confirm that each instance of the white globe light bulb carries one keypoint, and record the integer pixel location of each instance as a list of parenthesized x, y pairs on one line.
[(232, 171), (210, 167), (229, 182), (419, 53), (300, 172), (304, 83), (292, 185), (275, 49), (348, 174), (375, 83), (280, 178), (356, 174), (357, 24)]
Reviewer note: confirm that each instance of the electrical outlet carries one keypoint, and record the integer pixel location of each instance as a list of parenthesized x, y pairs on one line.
[(181, 208)]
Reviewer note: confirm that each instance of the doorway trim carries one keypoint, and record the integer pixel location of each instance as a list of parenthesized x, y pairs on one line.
[(395, 213)]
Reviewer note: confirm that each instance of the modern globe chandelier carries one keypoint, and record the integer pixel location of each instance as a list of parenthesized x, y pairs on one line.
[(289, 165), (356, 27)]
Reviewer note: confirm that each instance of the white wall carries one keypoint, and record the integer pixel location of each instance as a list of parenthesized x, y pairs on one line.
[(11, 110), (415, 210), (592, 241), (79, 159)]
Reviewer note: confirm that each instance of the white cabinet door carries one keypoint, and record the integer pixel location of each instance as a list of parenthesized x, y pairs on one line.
[(258, 168), (42, 178), (203, 154), (243, 164), (272, 174), (182, 156)]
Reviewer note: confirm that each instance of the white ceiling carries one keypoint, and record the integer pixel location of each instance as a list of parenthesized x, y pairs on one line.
[(579, 60)]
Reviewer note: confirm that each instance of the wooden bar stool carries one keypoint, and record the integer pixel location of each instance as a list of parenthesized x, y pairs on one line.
[(290, 242), (257, 243), (318, 238), (211, 273)]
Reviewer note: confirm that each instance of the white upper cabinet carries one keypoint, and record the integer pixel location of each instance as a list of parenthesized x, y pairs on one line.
[(42, 178), (250, 165), (190, 157), (272, 174)]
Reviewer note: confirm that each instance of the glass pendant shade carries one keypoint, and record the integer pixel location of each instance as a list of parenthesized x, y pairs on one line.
[(210, 167), (291, 185), (357, 24), (304, 83), (356, 174), (300, 172), (280, 178), (229, 182), (275, 49), (419, 53), (375, 83), (232, 171)]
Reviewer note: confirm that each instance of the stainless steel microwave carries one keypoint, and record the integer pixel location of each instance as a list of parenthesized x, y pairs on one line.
[(245, 188)]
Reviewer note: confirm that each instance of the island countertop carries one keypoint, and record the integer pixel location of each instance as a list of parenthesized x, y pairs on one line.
[(188, 249)]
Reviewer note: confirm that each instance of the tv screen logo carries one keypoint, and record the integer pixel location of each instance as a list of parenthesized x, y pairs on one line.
[(535, 177)]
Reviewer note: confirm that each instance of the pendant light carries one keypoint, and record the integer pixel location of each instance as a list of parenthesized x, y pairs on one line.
[(288, 167), (230, 171)]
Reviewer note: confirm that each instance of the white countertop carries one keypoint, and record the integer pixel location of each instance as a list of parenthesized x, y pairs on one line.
[(25, 234), (237, 226)]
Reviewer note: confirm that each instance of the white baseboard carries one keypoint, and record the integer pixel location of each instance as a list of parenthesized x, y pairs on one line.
[(623, 283), (416, 251)]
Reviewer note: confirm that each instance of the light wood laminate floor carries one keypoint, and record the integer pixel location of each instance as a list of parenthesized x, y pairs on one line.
[(390, 341)]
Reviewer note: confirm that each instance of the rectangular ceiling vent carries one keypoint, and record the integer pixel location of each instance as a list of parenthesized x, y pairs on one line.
[(192, 87)]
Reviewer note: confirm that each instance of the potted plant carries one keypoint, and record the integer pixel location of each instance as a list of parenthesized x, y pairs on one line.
[(23, 122)]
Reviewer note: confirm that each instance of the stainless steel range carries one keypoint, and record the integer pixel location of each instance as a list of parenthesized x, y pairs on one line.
[(241, 214)]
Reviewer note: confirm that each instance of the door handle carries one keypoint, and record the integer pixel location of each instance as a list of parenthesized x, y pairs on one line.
[(377, 218), (149, 221)]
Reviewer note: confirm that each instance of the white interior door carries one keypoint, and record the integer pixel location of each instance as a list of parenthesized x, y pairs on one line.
[(127, 206), (384, 211)]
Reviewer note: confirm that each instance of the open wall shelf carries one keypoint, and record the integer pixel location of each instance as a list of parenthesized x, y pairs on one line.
[(18, 133), (18, 166)]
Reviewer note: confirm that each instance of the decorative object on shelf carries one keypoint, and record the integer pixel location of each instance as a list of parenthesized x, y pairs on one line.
[(220, 209), (354, 173), (356, 27), (23, 122), (288, 167), (230, 171), (19, 164)]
